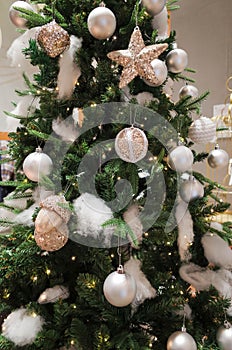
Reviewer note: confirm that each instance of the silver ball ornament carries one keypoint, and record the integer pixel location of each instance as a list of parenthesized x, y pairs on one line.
[(160, 70), (131, 144), (154, 7), (224, 336), (119, 288), (101, 23), (15, 15), (218, 158), (180, 159), (191, 189), (188, 90), (177, 60), (37, 164), (202, 130), (181, 341)]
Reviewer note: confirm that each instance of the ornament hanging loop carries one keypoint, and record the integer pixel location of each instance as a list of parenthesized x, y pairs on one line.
[(53, 9), (136, 13), (183, 328)]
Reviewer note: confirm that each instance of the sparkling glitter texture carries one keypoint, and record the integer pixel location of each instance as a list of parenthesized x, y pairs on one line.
[(53, 39), (136, 60), (131, 144), (52, 240)]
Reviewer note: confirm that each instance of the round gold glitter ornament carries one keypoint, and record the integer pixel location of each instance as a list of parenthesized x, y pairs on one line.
[(52, 240), (53, 39), (131, 144)]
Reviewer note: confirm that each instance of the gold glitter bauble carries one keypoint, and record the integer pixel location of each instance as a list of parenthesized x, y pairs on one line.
[(131, 144), (136, 60), (52, 240), (53, 39)]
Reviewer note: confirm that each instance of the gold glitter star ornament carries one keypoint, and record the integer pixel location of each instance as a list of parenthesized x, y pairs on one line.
[(136, 60)]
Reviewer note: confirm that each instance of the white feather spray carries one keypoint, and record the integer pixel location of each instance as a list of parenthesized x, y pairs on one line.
[(65, 129), (26, 105), (185, 230), (21, 327), (69, 71), (160, 23), (131, 217), (144, 288), (51, 295)]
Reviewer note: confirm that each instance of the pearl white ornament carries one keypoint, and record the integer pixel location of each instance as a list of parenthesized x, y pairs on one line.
[(181, 340), (177, 60), (188, 90), (131, 144), (180, 159), (37, 164), (154, 7), (202, 130), (119, 288), (160, 70), (224, 336), (218, 158), (191, 189), (15, 15), (101, 23)]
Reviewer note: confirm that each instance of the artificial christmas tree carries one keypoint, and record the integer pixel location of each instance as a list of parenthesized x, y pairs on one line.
[(99, 250)]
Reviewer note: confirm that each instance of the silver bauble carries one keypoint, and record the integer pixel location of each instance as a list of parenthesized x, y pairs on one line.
[(202, 130), (191, 189), (181, 341), (180, 159), (177, 60), (188, 90), (119, 288), (160, 70), (224, 336), (154, 7), (131, 144), (218, 158), (101, 23), (15, 15), (37, 164)]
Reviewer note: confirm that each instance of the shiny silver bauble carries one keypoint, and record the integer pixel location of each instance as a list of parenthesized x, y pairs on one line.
[(119, 288), (188, 90), (101, 23), (181, 341), (177, 60), (36, 165), (180, 159), (224, 337), (154, 7), (161, 72), (218, 158), (15, 15), (191, 189)]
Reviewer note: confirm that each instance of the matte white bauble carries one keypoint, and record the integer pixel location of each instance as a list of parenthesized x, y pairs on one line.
[(202, 130), (15, 15), (188, 90), (180, 159), (101, 23), (160, 70), (224, 336), (191, 189), (119, 288), (218, 158), (177, 60), (154, 7), (37, 164), (181, 341)]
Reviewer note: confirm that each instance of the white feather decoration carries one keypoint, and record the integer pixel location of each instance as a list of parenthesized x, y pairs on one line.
[(185, 230), (21, 327), (131, 217), (51, 295), (217, 250), (69, 71), (15, 55), (26, 105), (91, 213), (144, 288), (168, 87), (185, 311), (143, 98), (222, 281), (160, 23), (65, 129)]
